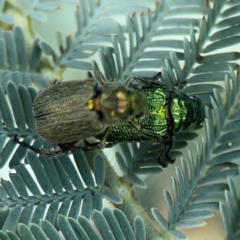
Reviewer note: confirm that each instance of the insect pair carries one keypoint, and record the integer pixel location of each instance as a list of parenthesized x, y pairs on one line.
[(75, 111)]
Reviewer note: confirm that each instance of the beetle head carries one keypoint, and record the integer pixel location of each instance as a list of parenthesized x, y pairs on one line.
[(119, 103)]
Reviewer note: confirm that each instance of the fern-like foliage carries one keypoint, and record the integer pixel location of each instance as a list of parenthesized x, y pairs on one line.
[(53, 189), (4, 17), (110, 224), (16, 64), (57, 183), (34, 9), (44, 197), (230, 212), (198, 186)]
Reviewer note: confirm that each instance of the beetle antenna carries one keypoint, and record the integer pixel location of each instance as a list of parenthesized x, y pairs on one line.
[(16, 140), (43, 152)]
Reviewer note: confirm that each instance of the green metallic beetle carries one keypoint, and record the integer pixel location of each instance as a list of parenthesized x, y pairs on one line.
[(168, 112)]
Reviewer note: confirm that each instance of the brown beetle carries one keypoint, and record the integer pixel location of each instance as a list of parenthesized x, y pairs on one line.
[(76, 110)]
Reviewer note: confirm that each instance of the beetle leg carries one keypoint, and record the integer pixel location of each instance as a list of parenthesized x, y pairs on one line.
[(129, 81), (177, 86), (100, 78), (142, 81), (102, 143), (180, 86), (157, 75), (95, 145), (146, 82), (43, 152), (16, 140), (168, 144), (145, 132), (67, 147), (91, 141), (56, 82), (154, 81), (104, 138), (51, 153)]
